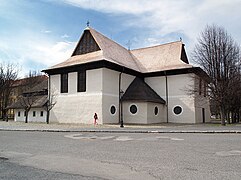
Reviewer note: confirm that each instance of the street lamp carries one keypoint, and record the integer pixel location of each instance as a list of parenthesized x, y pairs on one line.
[(121, 109)]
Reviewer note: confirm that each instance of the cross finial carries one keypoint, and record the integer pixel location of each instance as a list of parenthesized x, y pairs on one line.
[(129, 44), (88, 23)]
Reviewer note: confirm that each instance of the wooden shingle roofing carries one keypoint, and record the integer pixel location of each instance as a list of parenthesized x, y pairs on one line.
[(35, 102), (140, 91), (145, 60), (109, 51), (161, 58)]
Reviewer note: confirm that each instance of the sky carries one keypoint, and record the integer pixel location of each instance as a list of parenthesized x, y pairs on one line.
[(36, 34)]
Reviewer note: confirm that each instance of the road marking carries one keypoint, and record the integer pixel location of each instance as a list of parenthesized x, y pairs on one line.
[(229, 153), (119, 138), (176, 139), (123, 138)]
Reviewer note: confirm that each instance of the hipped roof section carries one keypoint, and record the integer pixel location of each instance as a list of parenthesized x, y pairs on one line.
[(145, 60), (140, 91), (162, 57)]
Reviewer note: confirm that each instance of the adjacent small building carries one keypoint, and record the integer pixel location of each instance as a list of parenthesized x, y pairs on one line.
[(33, 98), (142, 86)]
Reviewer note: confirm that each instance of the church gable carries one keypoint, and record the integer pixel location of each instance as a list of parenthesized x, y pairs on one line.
[(87, 44)]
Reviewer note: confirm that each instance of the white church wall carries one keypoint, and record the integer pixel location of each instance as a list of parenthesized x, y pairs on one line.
[(94, 81), (78, 107), (158, 84), (72, 83), (111, 93), (156, 118), (177, 96), (140, 117), (54, 81), (178, 92)]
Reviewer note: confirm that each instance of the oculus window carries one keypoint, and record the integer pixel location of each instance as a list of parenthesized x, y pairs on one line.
[(112, 110), (133, 109), (177, 110), (156, 110), (81, 81)]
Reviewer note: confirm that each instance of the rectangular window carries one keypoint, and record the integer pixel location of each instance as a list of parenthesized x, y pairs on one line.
[(64, 83), (200, 86), (41, 113), (19, 113), (34, 113), (81, 81), (205, 89)]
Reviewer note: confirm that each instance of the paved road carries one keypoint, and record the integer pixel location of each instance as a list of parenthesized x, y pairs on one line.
[(42, 155)]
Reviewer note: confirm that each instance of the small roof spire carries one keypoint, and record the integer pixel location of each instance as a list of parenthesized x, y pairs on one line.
[(129, 44), (88, 23), (181, 39)]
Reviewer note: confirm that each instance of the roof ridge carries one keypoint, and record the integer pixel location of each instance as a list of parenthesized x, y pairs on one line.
[(156, 45), (89, 28)]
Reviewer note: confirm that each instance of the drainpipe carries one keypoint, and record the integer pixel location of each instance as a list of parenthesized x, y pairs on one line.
[(49, 95), (166, 95), (120, 101)]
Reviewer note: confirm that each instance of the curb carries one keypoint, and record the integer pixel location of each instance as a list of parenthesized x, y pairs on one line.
[(131, 131)]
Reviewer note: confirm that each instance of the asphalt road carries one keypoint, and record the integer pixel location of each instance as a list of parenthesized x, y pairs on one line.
[(43, 155)]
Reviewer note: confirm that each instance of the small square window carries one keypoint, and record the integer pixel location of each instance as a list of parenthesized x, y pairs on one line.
[(41, 113), (34, 113)]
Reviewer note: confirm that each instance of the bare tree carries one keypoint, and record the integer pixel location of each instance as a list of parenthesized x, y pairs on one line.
[(28, 97), (218, 54), (27, 101), (8, 74), (50, 103)]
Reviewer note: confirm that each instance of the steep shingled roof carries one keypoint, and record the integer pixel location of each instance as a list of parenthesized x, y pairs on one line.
[(160, 58), (110, 51), (163, 57), (37, 96), (36, 102), (140, 91)]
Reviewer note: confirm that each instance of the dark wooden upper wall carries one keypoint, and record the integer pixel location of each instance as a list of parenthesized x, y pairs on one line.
[(86, 44), (184, 55)]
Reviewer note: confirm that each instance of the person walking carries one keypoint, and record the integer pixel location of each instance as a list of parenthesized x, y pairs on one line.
[(95, 119)]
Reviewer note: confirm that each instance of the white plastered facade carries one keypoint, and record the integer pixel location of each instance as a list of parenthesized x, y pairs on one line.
[(102, 92), (100, 95), (20, 117), (180, 93)]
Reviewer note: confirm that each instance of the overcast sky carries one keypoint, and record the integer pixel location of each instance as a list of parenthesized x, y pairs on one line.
[(37, 34)]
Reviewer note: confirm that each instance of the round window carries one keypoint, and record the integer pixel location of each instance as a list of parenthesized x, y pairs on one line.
[(177, 110), (133, 109), (112, 109), (156, 110)]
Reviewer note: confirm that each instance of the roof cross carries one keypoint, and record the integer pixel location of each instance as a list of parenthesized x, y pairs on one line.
[(88, 23), (129, 44)]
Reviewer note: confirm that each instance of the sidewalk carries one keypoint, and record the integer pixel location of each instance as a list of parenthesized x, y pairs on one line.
[(156, 128)]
